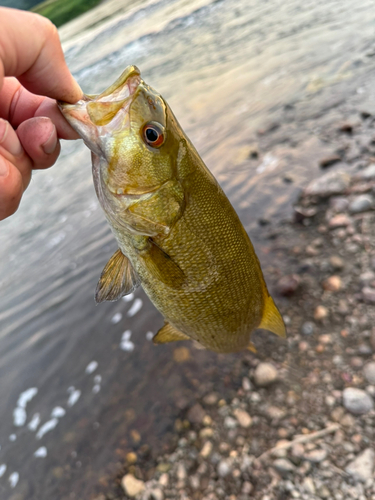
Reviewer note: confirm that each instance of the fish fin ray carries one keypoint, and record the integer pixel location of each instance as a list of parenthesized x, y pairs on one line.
[(271, 318), (118, 278), (163, 267), (169, 333), (251, 347)]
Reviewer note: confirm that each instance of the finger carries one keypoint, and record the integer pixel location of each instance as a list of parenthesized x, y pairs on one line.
[(11, 188), (11, 150), (18, 104), (38, 137), (30, 50)]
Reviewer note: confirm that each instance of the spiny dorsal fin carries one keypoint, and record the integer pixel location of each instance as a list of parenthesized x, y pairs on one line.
[(162, 267), (118, 278), (169, 333), (271, 318)]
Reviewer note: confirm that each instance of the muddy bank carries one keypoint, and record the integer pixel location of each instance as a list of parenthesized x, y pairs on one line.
[(297, 420)]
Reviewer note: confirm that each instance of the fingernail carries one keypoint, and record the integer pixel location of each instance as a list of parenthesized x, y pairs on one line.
[(4, 167), (50, 145)]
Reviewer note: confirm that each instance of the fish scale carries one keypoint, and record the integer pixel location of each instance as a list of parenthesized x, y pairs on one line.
[(178, 235)]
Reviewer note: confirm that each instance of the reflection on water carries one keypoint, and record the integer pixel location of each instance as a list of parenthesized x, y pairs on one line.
[(78, 380)]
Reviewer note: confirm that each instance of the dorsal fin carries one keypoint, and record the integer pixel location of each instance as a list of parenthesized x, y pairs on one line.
[(169, 333), (118, 278), (271, 318)]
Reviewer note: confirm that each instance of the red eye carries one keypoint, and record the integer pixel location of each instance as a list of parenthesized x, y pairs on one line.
[(153, 134)]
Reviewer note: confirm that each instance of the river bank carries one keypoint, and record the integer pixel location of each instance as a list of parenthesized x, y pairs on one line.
[(297, 419)]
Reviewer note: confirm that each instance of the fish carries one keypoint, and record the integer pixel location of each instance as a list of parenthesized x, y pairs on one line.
[(177, 233)]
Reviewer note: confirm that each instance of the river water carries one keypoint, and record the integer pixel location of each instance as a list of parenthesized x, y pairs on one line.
[(82, 384)]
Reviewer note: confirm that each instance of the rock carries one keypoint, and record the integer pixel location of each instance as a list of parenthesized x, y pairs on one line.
[(328, 185), (132, 486), (320, 313), (223, 468), (339, 220), (265, 374), (308, 328), (196, 414), (366, 277), (361, 203), (181, 472), (357, 401), (332, 284), (206, 450), (368, 294), (336, 262), (369, 372), (181, 354), (339, 204), (156, 494), (367, 173), (361, 469), (164, 479), (230, 423), (283, 466), (316, 456), (308, 485), (287, 285), (328, 161), (243, 418), (211, 399)]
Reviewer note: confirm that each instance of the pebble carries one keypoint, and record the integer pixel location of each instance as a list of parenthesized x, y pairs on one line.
[(308, 328), (336, 262), (223, 468), (316, 456), (361, 203), (287, 285), (196, 414), (308, 485), (283, 466), (368, 294), (357, 401), (361, 469), (156, 494), (132, 486), (320, 313), (367, 173), (329, 161), (230, 423), (328, 184), (206, 450), (181, 354), (369, 372), (339, 220), (366, 277), (243, 418), (332, 284), (265, 374)]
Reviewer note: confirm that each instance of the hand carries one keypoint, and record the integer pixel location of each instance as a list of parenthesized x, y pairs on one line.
[(31, 62)]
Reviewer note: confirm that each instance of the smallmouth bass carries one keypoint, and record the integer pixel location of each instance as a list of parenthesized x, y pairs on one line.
[(178, 235)]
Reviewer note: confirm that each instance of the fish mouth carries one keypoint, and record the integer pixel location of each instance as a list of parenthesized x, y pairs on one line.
[(93, 111)]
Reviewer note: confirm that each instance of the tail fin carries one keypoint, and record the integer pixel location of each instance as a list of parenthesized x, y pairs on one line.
[(271, 318)]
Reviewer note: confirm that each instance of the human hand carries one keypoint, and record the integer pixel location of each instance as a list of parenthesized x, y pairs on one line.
[(31, 62)]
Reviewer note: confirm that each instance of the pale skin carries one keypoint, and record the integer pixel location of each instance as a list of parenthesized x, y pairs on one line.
[(33, 74)]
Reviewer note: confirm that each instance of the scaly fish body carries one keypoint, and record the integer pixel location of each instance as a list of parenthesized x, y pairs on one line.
[(177, 233)]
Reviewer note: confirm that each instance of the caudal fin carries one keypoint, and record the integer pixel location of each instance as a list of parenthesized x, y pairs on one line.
[(271, 319)]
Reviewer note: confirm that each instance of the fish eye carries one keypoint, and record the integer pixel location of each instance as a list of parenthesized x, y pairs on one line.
[(153, 134)]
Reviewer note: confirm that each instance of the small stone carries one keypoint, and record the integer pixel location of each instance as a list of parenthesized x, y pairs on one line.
[(206, 450), (307, 328), (265, 374), (339, 220), (298, 451), (332, 284), (357, 401), (347, 421), (320, 313), (181, 472), (206, 433), (287, 285), (329, 161), (156, 494), (361, 469), (328, 184), (131, 457), (336, 262), (361, 203), (337, 413), (339, 204), (316, 456), (283, 466), (211, 399), (246, 384), (366, 277), (132, 486), (223, 468), (247, 488), (367, 173), (196, 414), (324, 492), (368, 294), (164, 479), (308, 485), (369, 372), (181, 354), (243, 418)]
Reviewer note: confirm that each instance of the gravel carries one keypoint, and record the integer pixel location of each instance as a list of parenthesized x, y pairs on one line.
[(357, 401)]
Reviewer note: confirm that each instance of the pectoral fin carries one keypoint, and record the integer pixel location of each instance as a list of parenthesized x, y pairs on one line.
[(162, 266), (271, 319), (117, 279), (169, 333)]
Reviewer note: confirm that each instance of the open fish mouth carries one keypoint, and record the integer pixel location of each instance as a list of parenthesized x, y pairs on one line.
[(108, 108)]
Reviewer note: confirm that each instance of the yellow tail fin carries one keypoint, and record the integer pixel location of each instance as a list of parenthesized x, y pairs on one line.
[(271, 319)]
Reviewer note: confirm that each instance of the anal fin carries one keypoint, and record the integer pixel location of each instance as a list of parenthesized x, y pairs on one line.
[(118, 278), (169, 333), (271, 318)]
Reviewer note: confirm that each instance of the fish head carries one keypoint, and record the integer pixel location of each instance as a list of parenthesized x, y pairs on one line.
[(126, 126)]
